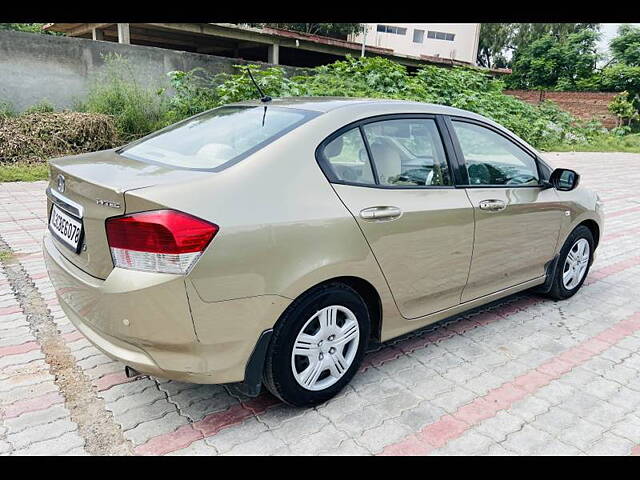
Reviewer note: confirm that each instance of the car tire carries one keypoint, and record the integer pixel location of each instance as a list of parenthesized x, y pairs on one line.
[(325, 318), (560, 288)]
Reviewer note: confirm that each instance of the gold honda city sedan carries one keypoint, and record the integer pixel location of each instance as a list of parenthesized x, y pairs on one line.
[(270, 242)]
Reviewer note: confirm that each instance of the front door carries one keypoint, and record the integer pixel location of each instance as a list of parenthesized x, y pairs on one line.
[(517, 219), (394, 178)]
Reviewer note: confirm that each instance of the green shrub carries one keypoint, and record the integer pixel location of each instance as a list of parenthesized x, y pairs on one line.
[(6, 109), (624, 109), (114, 91), (44, 106), (375, 77), (194, 93), (138, 110), (197, 91), (372, 77)]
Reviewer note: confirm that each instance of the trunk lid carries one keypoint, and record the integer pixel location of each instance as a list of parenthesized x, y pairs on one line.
[(95, 183)]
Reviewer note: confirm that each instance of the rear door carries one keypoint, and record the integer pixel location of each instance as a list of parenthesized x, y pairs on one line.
[(517, 219), (393, 175)]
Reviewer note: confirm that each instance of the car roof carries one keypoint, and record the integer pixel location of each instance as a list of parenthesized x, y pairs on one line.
[(361, 105), (327, 104)]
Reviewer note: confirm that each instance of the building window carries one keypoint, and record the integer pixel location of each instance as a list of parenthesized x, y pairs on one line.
[(418, 36), (441, 35), (390, 29)]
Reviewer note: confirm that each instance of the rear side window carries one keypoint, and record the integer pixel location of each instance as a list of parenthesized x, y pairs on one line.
[(403, 152), (348, 159), (217, 138)]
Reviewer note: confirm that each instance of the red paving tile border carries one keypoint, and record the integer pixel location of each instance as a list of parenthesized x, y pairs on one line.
[(449, 427), (18, 349), (41, 402), (208, 426)]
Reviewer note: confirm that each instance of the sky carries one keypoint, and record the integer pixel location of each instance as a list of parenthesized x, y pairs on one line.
[(608, 31)]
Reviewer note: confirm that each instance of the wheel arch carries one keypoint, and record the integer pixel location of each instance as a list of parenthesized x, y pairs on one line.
[(371, 297), (369, 294), (593, 226)]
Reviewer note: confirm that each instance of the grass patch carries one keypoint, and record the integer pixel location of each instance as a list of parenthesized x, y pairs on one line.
[(5, 255), (24, 172), (602, 143)]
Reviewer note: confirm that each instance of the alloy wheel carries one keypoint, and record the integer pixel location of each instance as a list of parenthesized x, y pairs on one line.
[(325, 347), (575, 266)]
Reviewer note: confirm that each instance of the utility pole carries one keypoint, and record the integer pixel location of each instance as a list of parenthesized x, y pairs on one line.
[(364, 39)]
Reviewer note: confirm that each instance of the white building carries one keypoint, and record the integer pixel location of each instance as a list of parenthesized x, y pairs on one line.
[(455, 41)]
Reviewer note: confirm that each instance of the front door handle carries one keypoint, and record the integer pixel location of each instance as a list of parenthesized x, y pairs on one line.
[(380, 213), (493, 205)]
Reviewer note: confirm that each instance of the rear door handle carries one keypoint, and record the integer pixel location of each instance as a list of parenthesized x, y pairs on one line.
[(380, 213), (493, 205)]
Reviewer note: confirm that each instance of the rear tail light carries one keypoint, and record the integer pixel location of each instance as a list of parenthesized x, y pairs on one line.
[(164, 241)]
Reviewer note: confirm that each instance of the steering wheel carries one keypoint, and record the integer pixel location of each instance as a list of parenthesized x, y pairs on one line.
[(479, 174), (519, 179), (429, 178)]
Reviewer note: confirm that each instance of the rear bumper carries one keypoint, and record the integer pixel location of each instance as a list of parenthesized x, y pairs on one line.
[(151, 321)]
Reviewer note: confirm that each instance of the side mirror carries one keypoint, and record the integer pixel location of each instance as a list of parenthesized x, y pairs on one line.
[(564, 179)]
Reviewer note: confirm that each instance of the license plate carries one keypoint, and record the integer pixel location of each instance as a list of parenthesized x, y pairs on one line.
[(66, 228)]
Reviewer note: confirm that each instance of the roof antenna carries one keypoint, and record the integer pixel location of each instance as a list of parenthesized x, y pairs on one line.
[(263, 98)]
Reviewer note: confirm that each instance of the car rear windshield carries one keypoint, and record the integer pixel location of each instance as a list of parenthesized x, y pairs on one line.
[(218, 138)]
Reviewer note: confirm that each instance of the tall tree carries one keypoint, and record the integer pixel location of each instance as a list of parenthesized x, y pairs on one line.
[(500, 42), (625, 48), (554, 62), (495, 39), (526, 33)]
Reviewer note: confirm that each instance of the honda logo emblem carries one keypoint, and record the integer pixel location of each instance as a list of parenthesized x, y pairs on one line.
[(60, 183)]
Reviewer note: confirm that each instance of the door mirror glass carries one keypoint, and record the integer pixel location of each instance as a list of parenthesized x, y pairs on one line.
[(564, 179)]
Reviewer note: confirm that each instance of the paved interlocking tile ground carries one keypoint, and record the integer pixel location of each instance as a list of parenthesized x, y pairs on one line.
[(524, 376)]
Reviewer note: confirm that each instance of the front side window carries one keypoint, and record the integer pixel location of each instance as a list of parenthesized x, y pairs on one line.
[(217, 138), (407, 152), (491, 159), (348, 159), (418, 36)]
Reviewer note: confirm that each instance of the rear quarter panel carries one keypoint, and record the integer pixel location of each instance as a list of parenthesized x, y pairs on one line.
[(283, 229)]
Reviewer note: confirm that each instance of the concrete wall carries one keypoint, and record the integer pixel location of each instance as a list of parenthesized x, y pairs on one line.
[(59, 69), (464, 47), (583, 105)]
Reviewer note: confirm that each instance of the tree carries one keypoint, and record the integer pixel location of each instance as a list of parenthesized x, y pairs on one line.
[(624, 109), (625, 48), (338, 30), (552, 62), (500, 42), (495, 39), (527, 33)]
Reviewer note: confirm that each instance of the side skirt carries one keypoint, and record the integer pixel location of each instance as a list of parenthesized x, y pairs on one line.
[(417, 323)]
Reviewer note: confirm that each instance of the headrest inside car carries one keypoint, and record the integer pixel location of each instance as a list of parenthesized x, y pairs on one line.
[(334, 148)]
